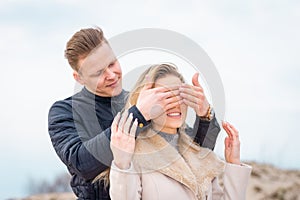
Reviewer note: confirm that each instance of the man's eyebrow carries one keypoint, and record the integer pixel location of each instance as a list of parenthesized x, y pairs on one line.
[(100, 70), (113, 60), (96, 72)]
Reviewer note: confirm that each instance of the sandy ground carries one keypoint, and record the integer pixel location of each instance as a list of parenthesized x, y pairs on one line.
[(50, 196), (266, 183)]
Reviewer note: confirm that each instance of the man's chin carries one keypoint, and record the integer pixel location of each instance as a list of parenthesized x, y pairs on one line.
[(116, 91)]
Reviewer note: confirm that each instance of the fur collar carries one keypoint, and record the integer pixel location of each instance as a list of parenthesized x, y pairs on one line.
[(191, 165)]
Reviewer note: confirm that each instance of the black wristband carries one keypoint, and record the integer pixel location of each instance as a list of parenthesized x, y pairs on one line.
[(142, 122)]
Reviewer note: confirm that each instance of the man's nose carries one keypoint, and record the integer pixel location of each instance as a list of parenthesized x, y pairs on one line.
[(109, 74)]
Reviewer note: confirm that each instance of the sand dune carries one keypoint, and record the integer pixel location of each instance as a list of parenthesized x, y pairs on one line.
[(50, 196), (266, 183)]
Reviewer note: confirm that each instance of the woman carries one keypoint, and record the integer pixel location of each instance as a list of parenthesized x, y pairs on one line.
[(163, 162)]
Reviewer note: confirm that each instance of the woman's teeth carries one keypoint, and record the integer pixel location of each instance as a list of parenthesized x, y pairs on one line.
[(173, 114)]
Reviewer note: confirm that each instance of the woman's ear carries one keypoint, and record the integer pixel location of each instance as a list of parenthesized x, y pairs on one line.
[(77, 77)]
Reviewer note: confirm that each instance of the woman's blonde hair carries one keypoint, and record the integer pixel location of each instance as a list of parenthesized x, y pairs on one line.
[(149, 76)]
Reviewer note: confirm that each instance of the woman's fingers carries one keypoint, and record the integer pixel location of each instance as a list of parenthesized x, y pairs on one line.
[(232, 144), (133, 128), (123, 139), (227, 142), (127, 124), (114, 126), (234, 130), (226, 128), (123, 120), (233, 135), (230, 129)]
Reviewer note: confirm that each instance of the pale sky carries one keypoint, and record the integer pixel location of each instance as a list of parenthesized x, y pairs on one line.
[(254, 45)]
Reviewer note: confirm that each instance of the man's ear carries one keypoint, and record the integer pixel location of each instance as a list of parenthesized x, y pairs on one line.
[(77, 77)]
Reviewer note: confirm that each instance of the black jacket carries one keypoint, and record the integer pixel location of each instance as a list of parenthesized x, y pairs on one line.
[(79, 128)]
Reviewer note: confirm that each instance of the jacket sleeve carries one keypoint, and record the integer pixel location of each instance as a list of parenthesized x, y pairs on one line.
[(235, 181), (205, 133), (124, 184), (71, 149), (68, 144)]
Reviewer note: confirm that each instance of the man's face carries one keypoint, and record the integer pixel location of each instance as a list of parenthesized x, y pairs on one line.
[(100, 72)]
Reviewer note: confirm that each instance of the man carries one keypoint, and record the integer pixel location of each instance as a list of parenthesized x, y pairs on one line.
[(79, 126)]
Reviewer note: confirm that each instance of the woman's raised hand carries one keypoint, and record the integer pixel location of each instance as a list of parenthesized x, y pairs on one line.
[(122, 141), (232, 144)]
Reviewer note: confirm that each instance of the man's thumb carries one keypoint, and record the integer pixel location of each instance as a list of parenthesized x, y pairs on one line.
[(195, 79)]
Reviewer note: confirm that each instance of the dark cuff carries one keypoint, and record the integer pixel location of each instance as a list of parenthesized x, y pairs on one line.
[(202, 121), (142, 122)]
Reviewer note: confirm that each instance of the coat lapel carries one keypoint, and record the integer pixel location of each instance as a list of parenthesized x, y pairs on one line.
[(154, 153), (204, 163)]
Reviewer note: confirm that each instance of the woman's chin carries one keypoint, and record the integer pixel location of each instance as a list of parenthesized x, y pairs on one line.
[(175, 126)]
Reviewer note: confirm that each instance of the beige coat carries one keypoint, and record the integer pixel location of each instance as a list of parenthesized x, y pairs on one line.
[(159, 172)]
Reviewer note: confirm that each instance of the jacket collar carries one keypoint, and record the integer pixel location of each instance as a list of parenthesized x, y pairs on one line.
[(94, 97), (191, 165)]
